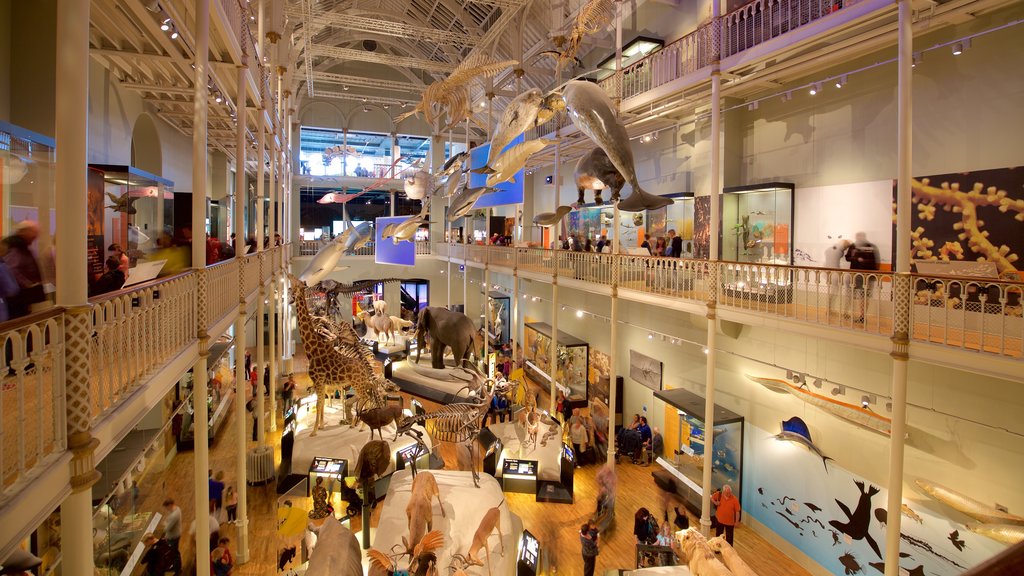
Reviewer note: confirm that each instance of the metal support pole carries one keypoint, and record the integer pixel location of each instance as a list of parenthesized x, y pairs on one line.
[(553, 352), (241, 378), (901, 288)]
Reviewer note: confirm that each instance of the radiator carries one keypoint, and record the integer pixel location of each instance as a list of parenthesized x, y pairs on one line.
[(260, 466)]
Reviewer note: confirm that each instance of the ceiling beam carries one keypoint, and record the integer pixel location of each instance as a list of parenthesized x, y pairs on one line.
[(365, 98), (365, 82), (387, 28), (378, 58)]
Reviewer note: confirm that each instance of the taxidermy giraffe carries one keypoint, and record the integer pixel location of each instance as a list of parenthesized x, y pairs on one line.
[(328, 366)]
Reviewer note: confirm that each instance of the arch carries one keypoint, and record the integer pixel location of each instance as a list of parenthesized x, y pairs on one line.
[(147, 152), (322, 114)]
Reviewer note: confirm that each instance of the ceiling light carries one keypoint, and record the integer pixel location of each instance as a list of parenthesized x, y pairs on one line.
[(364, 99), (563, 308), (787, 96), (579, 313), (865, 401), (841, 81), (218, 99), (705, 350), (838, 390), (174, 35), (483, 103), (815, 88), (916, 59), (386, 106), (817, 382), (166, 24), (752, 106), (345, 87), (958, 48), (650, 335)]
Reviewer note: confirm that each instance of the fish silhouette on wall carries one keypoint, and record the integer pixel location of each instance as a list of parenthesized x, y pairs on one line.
[(882, 516), (954, 537), (850, 565), (858, 522), (794, 524), (796, 430), (814, 507), (880, 566), (928, 548)]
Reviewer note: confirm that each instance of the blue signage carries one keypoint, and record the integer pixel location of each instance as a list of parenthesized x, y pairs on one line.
[(507, 192), (386, 251)]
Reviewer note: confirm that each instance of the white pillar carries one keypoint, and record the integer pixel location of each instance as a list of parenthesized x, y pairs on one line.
[(553, 365), (72, 141), (241, 379), (901, 289), (199, 371), (612, 367)]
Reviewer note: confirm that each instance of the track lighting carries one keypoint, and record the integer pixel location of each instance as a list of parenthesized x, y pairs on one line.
[(815, 88), (752, 106), (218, 99), (915, 59), (345, 88), (579, 313), (705, 350), (817, 382), (650, 335), (958, 48), (174, 35), (166, 24), (838, 390), (841, 81), (787, 96)]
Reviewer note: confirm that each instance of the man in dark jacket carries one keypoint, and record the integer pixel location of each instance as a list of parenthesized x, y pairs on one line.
[(111, 281), (160, 558), (862, 255), (675, 245), (25, 268)]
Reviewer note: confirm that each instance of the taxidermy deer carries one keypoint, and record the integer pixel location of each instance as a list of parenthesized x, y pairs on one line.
[(423, 558), (488, 524), (378, 418), (418, 511)]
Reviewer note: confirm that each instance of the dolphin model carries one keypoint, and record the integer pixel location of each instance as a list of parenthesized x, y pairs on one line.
[(966, 505), (464, 200), (595, 171), (591, 110), (504, 168), (795, 430), (406, 230), (453, 165), (519, 115), (326, 259), (551, 218)]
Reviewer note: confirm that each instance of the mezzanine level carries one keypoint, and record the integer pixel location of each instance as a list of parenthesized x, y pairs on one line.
[(143, 339)]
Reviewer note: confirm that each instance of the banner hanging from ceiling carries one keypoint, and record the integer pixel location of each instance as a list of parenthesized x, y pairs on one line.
[(386, 251), (506, 192)]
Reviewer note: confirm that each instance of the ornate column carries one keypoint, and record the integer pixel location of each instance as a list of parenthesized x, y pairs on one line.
[(241, 378), (901, 289), (201, 418), (72, 141)]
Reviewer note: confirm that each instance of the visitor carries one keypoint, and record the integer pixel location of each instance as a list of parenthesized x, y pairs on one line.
[(8, 289), (579, 436), (288, 391), (601, 242), (216, 490), (248, 363), (588, 246), (110, 281), (221, 560), (642, 527), (22, 264), (212, 250), (645, 438), (674, 245), (214, 528), (727, 513), (499, 408), (122, 258), (266, 380), (646, 244), (160, 557), (231, 503), (590, 549), (863, 256), (253, 378), (659, 246), (172, 523), (277, 239)]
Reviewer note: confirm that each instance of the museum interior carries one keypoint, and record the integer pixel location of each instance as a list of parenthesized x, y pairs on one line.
[(511, 287)]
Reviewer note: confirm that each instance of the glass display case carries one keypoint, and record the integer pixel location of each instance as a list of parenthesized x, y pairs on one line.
[(219, 398), (572, 363), (757, 223), (27, 189), (130, 207), (685, 435), (498, 311)]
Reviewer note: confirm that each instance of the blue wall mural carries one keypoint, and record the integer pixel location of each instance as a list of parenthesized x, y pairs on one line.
[(386, 251), (838, 518), (507, 192)]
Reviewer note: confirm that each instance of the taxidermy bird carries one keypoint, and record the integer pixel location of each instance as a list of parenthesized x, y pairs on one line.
[(451, 95), (122, 203)]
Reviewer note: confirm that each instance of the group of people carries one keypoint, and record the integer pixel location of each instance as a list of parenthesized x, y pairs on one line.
[(21, 278), (640, 441), (670, 246)]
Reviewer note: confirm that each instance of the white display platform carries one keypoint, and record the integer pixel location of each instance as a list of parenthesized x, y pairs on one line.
[(549, 458), (464, 506), (340, 440), (661, 571), (438, 381)]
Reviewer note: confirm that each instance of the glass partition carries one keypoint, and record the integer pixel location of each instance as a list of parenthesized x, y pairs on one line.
[(757, 223)]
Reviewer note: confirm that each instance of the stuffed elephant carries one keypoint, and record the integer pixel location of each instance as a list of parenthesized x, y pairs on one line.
[(445, 328)]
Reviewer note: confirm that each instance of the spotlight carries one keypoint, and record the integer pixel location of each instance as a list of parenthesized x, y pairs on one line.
[(166, 24), (650, 335), (752, 106), (787, 96), (841, 81), (815, 88), (838, 389), (386, 106), (646, 138), (705, 350), (345, 87), (218, 99), (958, 48), (174, 35), (483, 103), (364, 99), (916, 59), (817, 382), (789, 374), (864, 402), (579, 313)]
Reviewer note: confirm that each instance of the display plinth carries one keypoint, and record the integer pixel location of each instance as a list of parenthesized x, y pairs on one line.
[(528, 562), (329, 469), (519, 476)]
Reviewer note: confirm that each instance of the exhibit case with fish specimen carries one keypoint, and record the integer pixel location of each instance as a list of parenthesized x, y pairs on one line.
[(573, 361), (685, 443), (135, 209), (499, 307), (757, 223)]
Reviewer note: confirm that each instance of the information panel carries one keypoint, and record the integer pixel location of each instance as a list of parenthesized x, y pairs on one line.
[(507, 192), (386, 251)]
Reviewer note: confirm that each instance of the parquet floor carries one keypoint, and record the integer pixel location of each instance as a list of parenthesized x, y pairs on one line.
[(556, 525)]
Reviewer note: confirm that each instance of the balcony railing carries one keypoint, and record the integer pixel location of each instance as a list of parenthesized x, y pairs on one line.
[(684, 56), (970, 313), (311, 247), (133, 334), (761, 20)]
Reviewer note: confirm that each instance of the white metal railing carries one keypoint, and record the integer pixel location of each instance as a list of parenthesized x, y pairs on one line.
[(311, 247), (684, 56), (135, 332), (222, 287), (971, 313), (32, 411), (761, 20), (250, 270), (677, 277)]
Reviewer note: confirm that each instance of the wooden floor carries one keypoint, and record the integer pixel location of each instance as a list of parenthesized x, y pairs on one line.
[(556, 525)]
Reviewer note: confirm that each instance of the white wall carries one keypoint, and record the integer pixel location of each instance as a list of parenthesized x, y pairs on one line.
[(824, 213)]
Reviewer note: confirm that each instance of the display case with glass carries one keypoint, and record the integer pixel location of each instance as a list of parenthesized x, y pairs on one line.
[(572, 363), (129, 207), (679, 217), (685, 438), (757, 223), (27, 189), (220, 394), (498, 311)]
